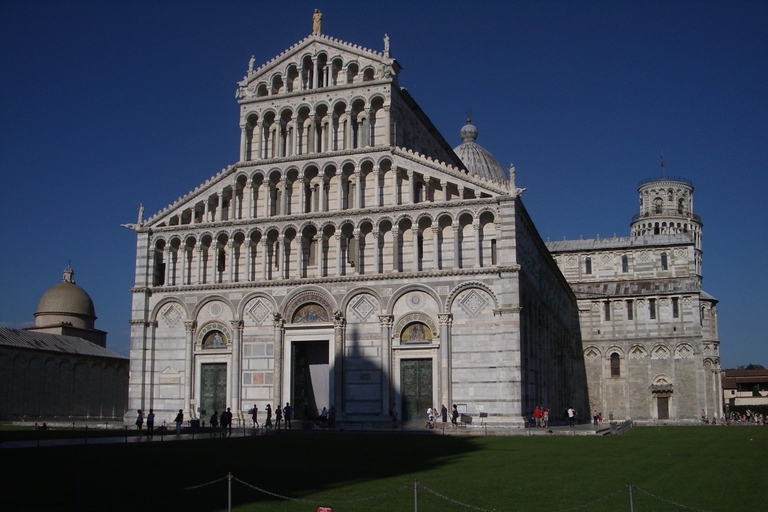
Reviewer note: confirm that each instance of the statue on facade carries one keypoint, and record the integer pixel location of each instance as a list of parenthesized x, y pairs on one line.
[(141, 214), (386, 45), (251, 64), (317, 21)]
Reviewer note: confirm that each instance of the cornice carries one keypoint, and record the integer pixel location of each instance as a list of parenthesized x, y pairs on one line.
[(494, 272)]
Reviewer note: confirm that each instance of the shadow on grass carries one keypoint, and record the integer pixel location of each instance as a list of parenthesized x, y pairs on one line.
[(157, 475)]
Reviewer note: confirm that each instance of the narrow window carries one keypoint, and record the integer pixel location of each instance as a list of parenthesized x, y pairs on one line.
[(221, 263), (675, 307), (615, 365), (159, 276), (607, 309), (588, 265), (652, 308), (630, 310), (624, 264), (664, 262), (493, 251), (420, 249)]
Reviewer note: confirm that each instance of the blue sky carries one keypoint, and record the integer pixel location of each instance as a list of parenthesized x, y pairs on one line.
[(105, 105)]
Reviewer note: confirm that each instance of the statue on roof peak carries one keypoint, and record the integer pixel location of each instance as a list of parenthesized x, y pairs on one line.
[(317, 21)]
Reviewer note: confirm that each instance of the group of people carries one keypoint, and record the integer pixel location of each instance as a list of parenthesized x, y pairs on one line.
[(749, 418), (225, 420), (541, 416), (432, 415), (150, 422)]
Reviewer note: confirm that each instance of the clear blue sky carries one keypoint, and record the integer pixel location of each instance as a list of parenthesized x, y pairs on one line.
[(105, 105)]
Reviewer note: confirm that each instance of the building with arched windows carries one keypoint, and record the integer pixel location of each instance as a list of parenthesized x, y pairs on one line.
[(352, 259), (649, 331)]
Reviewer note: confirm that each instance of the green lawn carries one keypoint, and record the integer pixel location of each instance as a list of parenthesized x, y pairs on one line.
[(703, 468)]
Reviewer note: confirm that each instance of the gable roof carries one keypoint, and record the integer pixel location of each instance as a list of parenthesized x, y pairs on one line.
[(46, 342)]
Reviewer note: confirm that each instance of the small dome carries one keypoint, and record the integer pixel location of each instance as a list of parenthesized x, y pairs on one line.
[(66, 298), (476, 158)]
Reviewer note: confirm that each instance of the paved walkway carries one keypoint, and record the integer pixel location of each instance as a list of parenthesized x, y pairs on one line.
[(410, 429)]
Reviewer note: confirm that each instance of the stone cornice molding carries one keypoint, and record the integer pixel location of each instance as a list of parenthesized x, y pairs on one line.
[(146, 290), (399, 276)]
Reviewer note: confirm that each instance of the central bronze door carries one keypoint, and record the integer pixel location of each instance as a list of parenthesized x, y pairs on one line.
[(213, 389), (416, 388)]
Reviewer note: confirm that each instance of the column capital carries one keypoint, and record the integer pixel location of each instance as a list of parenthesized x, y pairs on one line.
[(277, 320), (386, 320), (445, 318), (338, 319), (190, 325), (237, 325)]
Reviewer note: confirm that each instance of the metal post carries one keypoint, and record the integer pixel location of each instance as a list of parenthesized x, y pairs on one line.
[(631, 501), (415, 496), (229, 492)]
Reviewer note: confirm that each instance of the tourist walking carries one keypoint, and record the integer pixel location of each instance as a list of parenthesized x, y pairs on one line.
[(268, 422), (255, 416), (278, 416), (455, 417), (151, 423), (214, 422), (140, 421), (179, 420), (444, 414), (287, 410), (571, 417)]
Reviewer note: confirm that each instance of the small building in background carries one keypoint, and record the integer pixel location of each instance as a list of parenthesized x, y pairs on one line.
[(61, 368)]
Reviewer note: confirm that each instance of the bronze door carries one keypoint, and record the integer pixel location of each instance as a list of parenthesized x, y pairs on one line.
[(416, 388), (213, 389)]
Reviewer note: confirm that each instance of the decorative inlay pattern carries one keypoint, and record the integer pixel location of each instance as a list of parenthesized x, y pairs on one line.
[(473, 303), (637, 352), (259, 310), (683, 351), (415, 300), (363, 306), (660, 352), (215, 309), (171, 315), (591, 354)]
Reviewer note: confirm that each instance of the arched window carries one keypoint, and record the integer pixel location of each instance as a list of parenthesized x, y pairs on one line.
[(588, 265), (664, 262), (615, 365), (624, 264)]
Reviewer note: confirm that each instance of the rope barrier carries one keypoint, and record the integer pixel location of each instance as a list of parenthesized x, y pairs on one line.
[(668, 502), (604, 498), (439, 495)]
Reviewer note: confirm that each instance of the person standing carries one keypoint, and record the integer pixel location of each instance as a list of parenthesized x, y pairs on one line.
[(444, 414), (287, 410), (151, 423), (214, 422), (255, 416), (278, 417), (229, 421), (571, 417), (223, 422), (545, 418), (595, 417), (140, 421), (455, 417), (268, 422), (179, 420), (537, 414)]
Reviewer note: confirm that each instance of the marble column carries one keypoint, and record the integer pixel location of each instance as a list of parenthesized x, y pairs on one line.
[(385, 322), (436, 263), (231, 261), (445, 320), (339, 324), (376, 252), (395, 249), (189, 327), (278, 329), (236, 377), (478, 251), (456, 246), (281, 256)]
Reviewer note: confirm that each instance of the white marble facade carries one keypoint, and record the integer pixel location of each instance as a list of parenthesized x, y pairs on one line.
[(351, 258)]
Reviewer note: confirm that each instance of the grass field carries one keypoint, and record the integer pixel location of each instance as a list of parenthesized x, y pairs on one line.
[(703, 468)]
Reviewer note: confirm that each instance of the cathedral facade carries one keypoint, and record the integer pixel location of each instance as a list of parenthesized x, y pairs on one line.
[(352, 259)]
